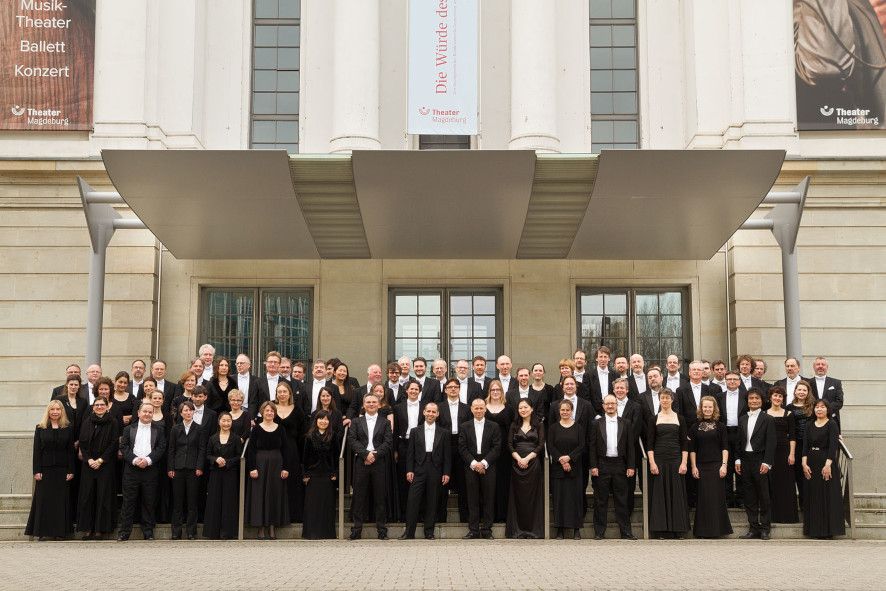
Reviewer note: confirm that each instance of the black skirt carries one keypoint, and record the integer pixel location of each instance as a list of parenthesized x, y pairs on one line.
[(823, 511), (319, 513), (568, 501), (526, 517), (222, 504), (97, 502), (782, 487), (268, 499), (50, 506), (711, 515)]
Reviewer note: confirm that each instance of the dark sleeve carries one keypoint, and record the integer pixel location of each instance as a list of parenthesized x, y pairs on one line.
[(650, 434), (410, 453), (511, 433), (724, 438), (72, 453), (234, 460), (387, 446), (833, 441), (354, 444), (250, 449), (631, 450), (684, 444), (838, 397), (159, 449), (110, 453), (805, 451), (37, 457), (769, 453), (285, 450), (576, 454), (792, 426), (553, 452), (212, 448), (447, 456), (463, 450), (495, 451), (540, 448), (692, 439), (591, 440), (126, 446)]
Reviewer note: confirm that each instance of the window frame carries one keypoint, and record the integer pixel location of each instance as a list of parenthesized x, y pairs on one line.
[(631, 294), (258, 312), (445, 294)]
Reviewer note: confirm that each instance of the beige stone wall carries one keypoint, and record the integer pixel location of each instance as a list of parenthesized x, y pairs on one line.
[(842, 264), (44, 267)]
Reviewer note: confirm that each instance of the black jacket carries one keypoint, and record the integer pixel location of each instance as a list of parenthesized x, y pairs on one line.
[(762, 439), (382, 437), (187, 451), (441, 453), (158, 443), (597, 443), (490, 446)]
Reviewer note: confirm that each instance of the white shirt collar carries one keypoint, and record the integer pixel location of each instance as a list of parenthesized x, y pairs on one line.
[(753, 413), (612, 419)]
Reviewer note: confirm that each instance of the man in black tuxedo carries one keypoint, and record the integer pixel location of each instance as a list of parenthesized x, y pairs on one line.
[(503, 367), (453, 414), (143, 444), (733, 405), (137, 372), (524, 391), (371, 440), (267, 386), (187, 452), (479, 444), (631, 412), (373, 376), (621, 370), (310, 397), (432, 390), (673, 378), (580, 371), (612, 461), (394, 389), (755, 459), (748, 381), (428, 466), (827, 388), (71, 370), (478, 385), (791, 379), (171, 390), (760, 371), (637, 384), (649, 398), (601, 379), (718, 375), (248, 384), (407, 416)]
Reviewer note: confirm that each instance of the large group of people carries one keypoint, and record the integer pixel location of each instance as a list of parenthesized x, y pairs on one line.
[(143, 448)]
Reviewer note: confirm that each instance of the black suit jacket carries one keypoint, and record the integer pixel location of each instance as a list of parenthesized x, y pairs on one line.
[(490, 446), (382, 437), (833, 394), (684, 379), (441, 451), (597, 443), (186, 450), (686, 401), (445, 419), (634, 390), (759, 385), (536, 399), (762, 439), (513, 385), (127, 443), (597, 390), (401, 424), (432, 391), (171, 391), (633, 414), (304, 396), (250, 397), (262, 392), (584, 412), (721, 403), (475, 390), (60, 391)]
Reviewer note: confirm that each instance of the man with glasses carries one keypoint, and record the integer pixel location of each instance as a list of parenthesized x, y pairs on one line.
[(247, 383), (733, 404)]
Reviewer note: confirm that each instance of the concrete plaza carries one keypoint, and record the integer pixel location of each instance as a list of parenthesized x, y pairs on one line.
[(444, 564)]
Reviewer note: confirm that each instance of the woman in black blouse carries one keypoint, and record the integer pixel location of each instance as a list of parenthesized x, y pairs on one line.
[(53, 463), (801, 409), (566, 446), (75, 409), (320, 461), (668, 455), (823, 511), (782, 489), (268, 461), (220, 386), (242, 424), (526, 443), (538, 384), (99, 444), (709, 454), (223, 490)]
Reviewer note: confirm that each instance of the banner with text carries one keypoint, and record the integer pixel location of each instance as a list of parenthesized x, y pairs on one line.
[(46, 64), (840, 64), (442, 67)]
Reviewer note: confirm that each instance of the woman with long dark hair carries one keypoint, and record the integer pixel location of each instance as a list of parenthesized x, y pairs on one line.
[(823, 511), (53, 463), (75, 409), (782, 489), (801, 409), (566, 446), (223, 490), (320, 460), (220, 385), (341, 381), (668, 455), (99, 444), (526, 442), (291, 418)]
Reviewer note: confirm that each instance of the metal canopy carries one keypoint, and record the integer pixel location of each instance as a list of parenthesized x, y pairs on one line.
[(672, 204), (483, 204)]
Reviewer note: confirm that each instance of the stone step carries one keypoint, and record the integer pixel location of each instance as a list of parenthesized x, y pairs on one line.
[(12, 502), (870, 516), (870, 501)]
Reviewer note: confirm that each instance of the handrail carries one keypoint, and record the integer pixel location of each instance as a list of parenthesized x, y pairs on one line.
[(242, 504), (341, 484), (847, 488), (547, 503), (645, 468)]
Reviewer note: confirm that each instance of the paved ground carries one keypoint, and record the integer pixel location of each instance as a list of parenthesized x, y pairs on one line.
[(500, 564)]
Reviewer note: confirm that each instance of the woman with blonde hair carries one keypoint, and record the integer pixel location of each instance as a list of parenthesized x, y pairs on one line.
[(801, 409), (709, 454), (53, 462), (498, 411)]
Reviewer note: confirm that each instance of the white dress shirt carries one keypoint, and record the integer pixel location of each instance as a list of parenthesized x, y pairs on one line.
[(620, 409), (198, 414), (478, 431), (656, 404), (187, 426), (207, 372), (142, 446), (611, 437), (243, 386), (819, 385), (732, 408), (89, 392), (412, 413), (370, 427), (462, 391), (579, 376), (161, 386), (746, 380), (430, 431), (272, 386), (505, 382), (673, 382), (315, 393), (574, 401), (789, 386), (640, 381), (603, 376), (721, 385), (696, 393), (753, 415), (395, 389), (523, 393), (453, 415)]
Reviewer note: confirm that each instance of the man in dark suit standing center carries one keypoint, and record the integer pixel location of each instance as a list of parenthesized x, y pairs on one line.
[(428, 466), (479, 443), (371, 439), (755, 458)]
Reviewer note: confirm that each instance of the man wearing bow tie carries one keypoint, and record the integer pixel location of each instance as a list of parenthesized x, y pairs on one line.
[(371, 440), (827, 388), (755, 458)]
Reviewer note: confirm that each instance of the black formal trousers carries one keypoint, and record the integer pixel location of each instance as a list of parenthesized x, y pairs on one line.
[(185, 488), (456, 485), (481, 499), (366, 478), (756, 493), (612, 480), (734, 493), (139, 484), (424, 492)]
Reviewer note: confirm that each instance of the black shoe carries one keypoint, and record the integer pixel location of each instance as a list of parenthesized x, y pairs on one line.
[(148, 537), (764, 535), (430, 537), (751, 535), (471, 535), (576, 534), (559, 535), (598, 536), (193, 537), (405, 536), (88, 537), (487, 535), (382, 535), (178, 537), (123, 538), (628, 536), (355, 535)]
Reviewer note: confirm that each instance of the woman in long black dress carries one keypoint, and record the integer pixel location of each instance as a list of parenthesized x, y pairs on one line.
[(320, 460), (53, 463), (123, 406), (223, 490), (500, 413), (163, 498), (782, 488), (268, 460), (526, 442), (801, 408), (392, 492), (99, 444), (823, 511), (291, 418), (242, 423), (220, 386), (668, 454), (341, 381), (75, 409), (709, 454), (566, 446), (538, 384)]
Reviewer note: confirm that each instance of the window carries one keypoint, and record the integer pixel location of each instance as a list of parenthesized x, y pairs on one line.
[(651, 322), (255, 321), (444, 142), (614, 100), (449, 323), (276, 42)]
